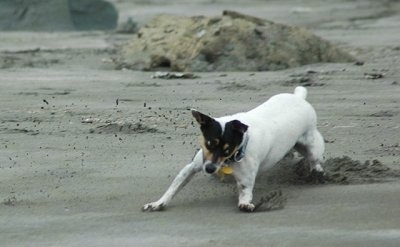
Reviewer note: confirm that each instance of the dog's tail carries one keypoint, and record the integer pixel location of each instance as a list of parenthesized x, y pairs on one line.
[(300, 92)]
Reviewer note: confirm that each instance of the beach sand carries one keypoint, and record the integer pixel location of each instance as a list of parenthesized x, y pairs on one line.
[(84, 146)]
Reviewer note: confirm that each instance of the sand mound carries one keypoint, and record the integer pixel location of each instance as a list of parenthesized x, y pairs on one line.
[(231, 42), (51, 15), (338, 170), (346, 170)]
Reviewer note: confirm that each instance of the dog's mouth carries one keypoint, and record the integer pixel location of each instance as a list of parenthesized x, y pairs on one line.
[(210, 167), (214, 165), (221, 170)]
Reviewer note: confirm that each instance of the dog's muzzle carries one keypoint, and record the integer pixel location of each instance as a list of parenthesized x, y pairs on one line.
[(210, 167)]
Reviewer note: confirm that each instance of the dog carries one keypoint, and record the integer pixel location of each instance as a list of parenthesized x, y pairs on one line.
[(245, 141)]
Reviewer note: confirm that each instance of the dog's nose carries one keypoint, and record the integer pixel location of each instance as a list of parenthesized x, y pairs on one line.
[(210, 168)]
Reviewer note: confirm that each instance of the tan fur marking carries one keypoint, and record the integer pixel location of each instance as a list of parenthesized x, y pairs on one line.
[(208, 155)]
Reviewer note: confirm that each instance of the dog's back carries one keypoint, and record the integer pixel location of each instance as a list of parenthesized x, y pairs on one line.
[(278, 123), (286, 106)]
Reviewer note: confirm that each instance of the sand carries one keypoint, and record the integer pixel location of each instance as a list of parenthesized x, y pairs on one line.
[(84, 146)]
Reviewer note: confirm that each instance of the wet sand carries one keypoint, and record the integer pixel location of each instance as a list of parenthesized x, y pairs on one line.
[(84, 146)]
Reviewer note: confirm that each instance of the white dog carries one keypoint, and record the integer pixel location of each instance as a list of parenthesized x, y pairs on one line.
[(239, 144)]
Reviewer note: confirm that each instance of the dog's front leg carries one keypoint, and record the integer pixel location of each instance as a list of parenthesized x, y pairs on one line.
[(183, 177), (245, 177)]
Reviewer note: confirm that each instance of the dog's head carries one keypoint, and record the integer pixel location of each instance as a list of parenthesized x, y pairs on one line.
[(219, 141)]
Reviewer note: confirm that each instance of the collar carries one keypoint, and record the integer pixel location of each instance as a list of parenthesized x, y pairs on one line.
[(238, 155)]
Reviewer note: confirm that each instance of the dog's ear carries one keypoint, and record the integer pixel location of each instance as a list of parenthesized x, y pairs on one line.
[(239, 126), (201, 118)]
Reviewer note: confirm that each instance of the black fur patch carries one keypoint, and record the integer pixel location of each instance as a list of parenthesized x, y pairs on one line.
[(233, 135), (220, 144)]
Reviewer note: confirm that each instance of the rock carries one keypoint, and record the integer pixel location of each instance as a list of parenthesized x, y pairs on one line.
[(231, 42), (35, 15), (129, 26), (170, 75), (93, 14), (57, 15)]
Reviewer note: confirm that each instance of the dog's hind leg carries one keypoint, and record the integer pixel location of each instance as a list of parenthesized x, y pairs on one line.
[(183, 177), (312, 147)]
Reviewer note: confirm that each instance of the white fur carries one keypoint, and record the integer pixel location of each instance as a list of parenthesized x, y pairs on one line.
[(275, 127), (301, 92)]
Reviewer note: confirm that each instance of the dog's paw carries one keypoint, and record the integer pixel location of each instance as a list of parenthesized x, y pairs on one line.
[(246, 207), (153, 206), (316, 176)]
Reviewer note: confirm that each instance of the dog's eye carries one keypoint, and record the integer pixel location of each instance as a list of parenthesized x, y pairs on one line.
[(210, 145), (227, 152)]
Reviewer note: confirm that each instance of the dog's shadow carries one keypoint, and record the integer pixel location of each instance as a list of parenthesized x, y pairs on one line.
[(268, 194), (291, 170)]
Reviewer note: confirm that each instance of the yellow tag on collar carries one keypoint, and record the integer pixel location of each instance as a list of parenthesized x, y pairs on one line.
[(226, 170)]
